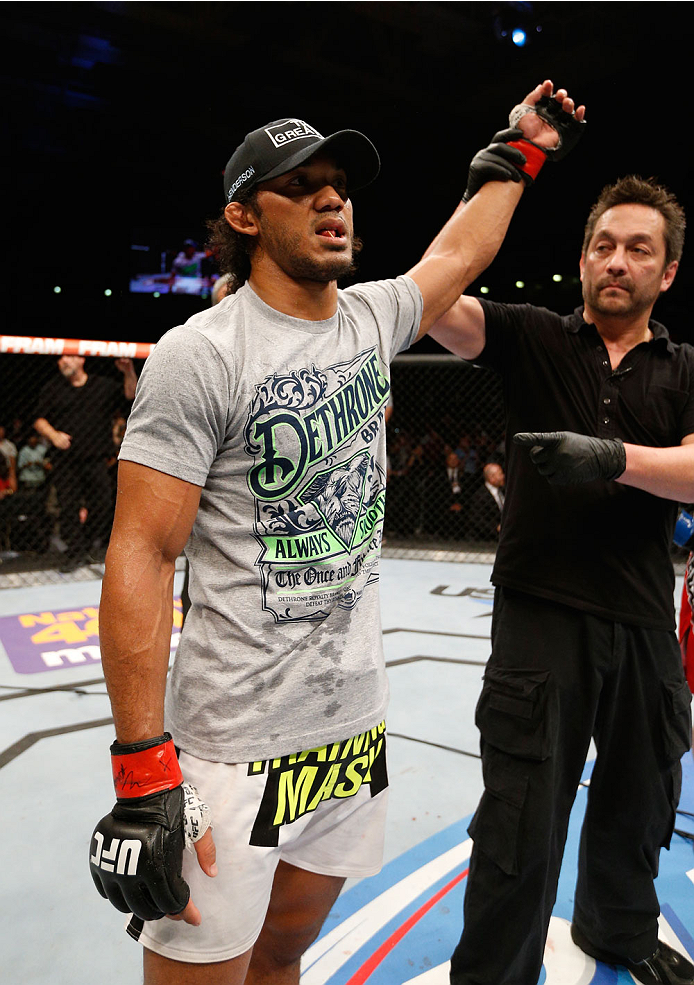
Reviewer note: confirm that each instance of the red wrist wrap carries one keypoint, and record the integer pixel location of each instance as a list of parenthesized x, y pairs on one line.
[(535, 157), (137, 774)]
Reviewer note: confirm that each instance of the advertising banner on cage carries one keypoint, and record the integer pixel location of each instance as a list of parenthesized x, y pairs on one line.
[(38, 346)]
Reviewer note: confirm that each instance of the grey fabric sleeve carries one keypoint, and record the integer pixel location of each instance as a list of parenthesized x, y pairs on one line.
[(181, 408), (396, 306)]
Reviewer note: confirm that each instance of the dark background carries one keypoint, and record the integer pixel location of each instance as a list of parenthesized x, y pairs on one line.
[(123, 115)]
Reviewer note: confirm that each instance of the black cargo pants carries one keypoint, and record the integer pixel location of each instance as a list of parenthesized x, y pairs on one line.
[(556, 677)]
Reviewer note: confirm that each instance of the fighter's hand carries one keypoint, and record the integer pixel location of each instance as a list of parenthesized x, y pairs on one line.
[(61, 440), (207, 854), (498, 162), (549, 119), (137, 849), (566, 458)]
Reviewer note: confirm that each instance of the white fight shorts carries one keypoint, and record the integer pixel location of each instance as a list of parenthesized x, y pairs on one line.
[(322, 810)]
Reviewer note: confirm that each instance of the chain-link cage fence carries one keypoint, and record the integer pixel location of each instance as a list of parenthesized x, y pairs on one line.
[(445, 456), (59, 440)]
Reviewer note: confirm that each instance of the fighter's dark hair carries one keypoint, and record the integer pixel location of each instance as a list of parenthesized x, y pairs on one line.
[(233, 250), (634, 190)]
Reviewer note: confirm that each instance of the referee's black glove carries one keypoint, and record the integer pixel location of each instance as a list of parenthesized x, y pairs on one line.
[(564, 457)]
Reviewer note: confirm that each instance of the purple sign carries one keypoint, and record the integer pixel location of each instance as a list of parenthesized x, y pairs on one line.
[(39, 641)]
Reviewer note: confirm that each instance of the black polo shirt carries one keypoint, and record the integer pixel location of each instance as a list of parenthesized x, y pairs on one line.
[(84, 412), (600, 546)]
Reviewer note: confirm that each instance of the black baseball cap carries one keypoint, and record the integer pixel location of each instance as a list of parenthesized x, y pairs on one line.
[(284, 144)]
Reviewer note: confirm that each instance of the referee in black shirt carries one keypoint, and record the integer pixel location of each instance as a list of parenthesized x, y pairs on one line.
[(600, 418), (74, 412)]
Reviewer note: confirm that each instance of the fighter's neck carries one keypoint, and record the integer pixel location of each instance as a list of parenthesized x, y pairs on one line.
[(307, 299)]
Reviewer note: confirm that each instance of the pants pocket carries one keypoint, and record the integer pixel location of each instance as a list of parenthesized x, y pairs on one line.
[(515, 713), (676, 738), (516, 721), (677, 720), (496, 824)]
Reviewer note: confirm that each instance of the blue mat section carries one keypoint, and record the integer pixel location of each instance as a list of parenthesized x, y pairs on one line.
[(389, 930)]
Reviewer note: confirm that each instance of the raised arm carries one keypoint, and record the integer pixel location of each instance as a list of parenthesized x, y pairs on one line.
[(127, 368), (470, 240)]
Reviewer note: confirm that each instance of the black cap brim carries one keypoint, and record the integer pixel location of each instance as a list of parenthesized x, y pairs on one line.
[(352, 151)]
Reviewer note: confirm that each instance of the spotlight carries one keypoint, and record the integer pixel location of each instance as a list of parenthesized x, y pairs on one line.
[(57, 290), (557, 278), (516, 24)]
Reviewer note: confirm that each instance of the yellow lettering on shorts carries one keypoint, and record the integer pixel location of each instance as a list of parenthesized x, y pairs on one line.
[(352, 773), (325, 790), (291, 796)]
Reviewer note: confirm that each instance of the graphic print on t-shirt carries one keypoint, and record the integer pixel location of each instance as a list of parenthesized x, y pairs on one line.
[(318, 488)]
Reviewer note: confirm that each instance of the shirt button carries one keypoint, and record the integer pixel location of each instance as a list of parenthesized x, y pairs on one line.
[(605, 362), (606, 400), (605, 420)]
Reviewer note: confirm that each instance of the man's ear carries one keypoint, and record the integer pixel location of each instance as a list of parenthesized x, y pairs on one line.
[(241, 219), (668, 275), (582, 265)]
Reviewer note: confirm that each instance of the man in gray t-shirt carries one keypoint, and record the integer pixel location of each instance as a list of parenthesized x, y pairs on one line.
[(257, 442)]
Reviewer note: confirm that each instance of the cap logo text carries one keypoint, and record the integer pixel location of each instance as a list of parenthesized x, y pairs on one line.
[(248, 173), (283, 133)]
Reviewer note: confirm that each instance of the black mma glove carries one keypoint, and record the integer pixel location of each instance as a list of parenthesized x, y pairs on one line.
[(498, 162), (569, 129), (564, 457), (137, 849)]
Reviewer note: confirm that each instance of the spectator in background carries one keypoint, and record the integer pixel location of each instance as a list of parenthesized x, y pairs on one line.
[(487, 503), (454, 498), (32, 464), (7, 489), (186, 263), (74, 413), (9, 452), (31, 524), (117, 434), (118, 431), (469, 465), (18, 432)]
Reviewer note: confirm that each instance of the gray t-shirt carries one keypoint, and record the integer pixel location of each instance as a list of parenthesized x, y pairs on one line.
[(280, 420)]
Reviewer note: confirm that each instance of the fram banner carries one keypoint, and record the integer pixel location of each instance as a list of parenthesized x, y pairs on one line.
[(54, 640), (37, 346), (401, 926)]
